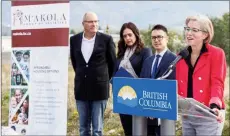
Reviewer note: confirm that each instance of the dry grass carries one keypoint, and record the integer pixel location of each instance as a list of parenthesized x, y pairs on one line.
[(112, 124), (5, 93)]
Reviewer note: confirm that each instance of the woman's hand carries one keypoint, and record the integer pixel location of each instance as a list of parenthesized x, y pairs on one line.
[(219, 115)]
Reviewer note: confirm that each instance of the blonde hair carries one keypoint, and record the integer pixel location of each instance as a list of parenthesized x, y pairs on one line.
[(205, 24)]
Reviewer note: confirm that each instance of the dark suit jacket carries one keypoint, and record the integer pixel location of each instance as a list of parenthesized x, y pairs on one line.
[(163, 66), (137, 60), (92, 78)]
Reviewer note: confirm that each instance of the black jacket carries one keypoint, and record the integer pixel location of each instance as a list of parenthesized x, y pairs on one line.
[(92, 78)]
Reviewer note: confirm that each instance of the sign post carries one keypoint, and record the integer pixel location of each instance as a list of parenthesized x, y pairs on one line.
[(139, 125)]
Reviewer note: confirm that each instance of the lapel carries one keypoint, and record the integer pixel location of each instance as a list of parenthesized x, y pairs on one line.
[(79, 43), (150, 66), (201, 62), (95, 43), (132, 57), (163, 61)]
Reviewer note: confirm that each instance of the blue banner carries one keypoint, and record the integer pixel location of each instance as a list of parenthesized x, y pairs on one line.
[(145, 97)]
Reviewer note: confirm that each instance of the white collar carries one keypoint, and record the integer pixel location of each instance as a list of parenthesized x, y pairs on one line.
[(92, 39), (161, 53)]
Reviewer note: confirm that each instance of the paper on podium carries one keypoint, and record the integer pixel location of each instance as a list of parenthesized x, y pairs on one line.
[(191, 107)]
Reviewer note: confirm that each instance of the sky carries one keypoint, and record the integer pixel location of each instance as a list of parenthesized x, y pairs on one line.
[(172, 14)]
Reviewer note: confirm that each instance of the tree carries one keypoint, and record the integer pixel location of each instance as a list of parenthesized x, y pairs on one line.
[(146, 36), (221, 33), (175, 42)]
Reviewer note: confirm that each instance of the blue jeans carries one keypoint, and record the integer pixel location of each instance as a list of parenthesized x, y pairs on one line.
[(91, 113)]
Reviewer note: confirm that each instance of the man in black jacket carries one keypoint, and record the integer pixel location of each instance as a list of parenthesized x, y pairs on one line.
[(93, 59)]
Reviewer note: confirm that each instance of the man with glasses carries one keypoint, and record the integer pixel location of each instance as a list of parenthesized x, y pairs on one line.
[(155, 66), (93, 58)]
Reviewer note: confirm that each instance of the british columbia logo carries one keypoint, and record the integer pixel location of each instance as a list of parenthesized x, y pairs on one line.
[(127, 96), (148, 100)]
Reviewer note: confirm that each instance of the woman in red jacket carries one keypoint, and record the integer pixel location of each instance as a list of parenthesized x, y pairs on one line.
[(201, 76)]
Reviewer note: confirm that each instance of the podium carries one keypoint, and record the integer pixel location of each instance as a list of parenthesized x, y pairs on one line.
[(144, 97)]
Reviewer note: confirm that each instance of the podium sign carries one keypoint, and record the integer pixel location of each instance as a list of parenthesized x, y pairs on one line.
[(145, 97)]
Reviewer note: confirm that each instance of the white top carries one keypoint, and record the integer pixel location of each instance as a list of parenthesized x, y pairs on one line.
[(87, 47), (161, 55)]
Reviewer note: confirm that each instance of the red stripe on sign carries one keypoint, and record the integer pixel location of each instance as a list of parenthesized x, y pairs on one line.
[(23, 3), (40, 37)]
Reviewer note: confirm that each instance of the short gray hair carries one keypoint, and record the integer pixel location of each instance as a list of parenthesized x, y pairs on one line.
[(205, 24)]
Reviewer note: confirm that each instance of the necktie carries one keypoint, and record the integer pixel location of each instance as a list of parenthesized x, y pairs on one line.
[(155, 66)]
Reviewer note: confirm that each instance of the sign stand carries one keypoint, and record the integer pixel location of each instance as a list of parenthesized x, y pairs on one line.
[(168, 127), (139, 125), (142, 98)]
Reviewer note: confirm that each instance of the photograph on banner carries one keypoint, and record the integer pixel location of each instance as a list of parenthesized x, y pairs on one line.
[(21, 116), (23, 59), (19, 107), (15, 73)]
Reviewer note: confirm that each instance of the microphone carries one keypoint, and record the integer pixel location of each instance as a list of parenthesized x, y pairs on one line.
[(182, 55)]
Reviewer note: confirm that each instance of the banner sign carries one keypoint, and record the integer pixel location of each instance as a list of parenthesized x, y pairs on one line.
[(39, 67), (145, 97)]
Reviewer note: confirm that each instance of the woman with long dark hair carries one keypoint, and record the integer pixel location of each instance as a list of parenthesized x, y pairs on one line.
[(131, 55)]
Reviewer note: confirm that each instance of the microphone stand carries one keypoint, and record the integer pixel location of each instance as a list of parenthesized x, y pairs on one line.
[(168, 127), (166, 74)]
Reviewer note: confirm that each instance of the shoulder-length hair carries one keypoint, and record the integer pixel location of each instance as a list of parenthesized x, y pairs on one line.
[(205, 24), (121, 44)]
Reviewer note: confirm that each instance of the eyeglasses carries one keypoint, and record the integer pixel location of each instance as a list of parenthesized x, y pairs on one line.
[(92, 21), (193, 30), (159, 37)]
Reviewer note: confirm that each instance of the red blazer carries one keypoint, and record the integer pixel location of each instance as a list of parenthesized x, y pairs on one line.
[(208, 77)]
